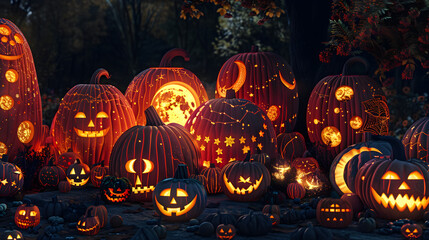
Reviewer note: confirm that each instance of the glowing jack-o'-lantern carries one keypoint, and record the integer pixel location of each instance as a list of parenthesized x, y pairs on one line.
[(27, 215), (114, 189), (264, 78), (11, 178), (78, 174), (225, 232), (179, 198), (411, 231), (174, 92), (416, 140), (89, 224), (334, 213), (147, 154), (339, 112), (20, 102), (244, 180), (394, 187), (98, 172), (11, 235), (90, 119)]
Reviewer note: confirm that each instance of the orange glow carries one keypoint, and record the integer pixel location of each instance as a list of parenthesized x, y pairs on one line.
[(11, 75), (6, 102), (5, 30), (356, 122), (400, 202), (177, 211), (279, 172), (138, 188), (10, 58), (238, 83), (3, 149), (242, 191), (288, 85), (415, 176), (344, 93), (404, 186), (273, 113), (331, 136), (25, 132), (389, 175), (18, 38)]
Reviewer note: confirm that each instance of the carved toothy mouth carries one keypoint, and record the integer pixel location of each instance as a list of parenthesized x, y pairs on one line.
[(177, 211), (91, 134), (117, 197), (24, 224), (10, 58), (144, 189), (242, 191), (224, 237), (77, 184), (401, 202), (86, 229)]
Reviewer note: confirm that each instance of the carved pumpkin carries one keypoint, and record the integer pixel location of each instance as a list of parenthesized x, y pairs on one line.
[(346, 164), (66, 159), (51, 175), (254, 224), (78, 174), (261, 157), (305, 164), (64, 186), (11, 178), (227, 128), (315, 183), (273, 212), (20, 102), (148, 154), (12, 235), (416, 140), (179, 198), (99, 211), (354, 201), (394, 187), (264, 78), (290, 145), (90, 119), (280, 172), (98, 171), (245, 181), (411, 231), (220, 218), (295, 190), (174, 92), (114, 189), (341, 108), (213, 176), (88, 224), (225, 232), (27, 215), (334, 213)]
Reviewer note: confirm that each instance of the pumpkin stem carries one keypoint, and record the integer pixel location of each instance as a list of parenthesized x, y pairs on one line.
[(230, 94), (51, 162), (254, 48), (27, 201), (247, 159), (95, 79), (181, 172), (350, 67), (175, 52), (5, 158), (212, 165), (398, 150), (152, 117), (70, 150)]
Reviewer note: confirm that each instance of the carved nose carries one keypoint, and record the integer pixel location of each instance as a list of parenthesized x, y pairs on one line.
[(404, 186), (91, 124), (173, 201)]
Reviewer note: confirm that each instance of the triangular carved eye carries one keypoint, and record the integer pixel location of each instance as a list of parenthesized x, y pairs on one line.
[(82, 172), (72, 172), (415, 176), (415, 231), (389, 175)]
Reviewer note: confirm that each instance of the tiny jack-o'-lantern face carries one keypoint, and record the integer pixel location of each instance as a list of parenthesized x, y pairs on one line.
[(91, 127), (12, 235), (145, 168), (225, 232), (411, 231), (78, 174), (115, 189), (175, 203), (334, 213), (27, 215), (88, 224)]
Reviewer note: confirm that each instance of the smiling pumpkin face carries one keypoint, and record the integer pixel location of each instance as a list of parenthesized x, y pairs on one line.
[(78, 174), (114, 189)]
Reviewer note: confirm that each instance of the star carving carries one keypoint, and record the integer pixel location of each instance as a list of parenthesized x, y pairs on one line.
[(198, 137), (203, 148), (4, 182), (246, 149), (218, 160), (219, 151), (242, 140), (207, 139), (217, 141), (206, 164), (253, 139), (265, 126), (261, 133), (229, 141), (260, 146)]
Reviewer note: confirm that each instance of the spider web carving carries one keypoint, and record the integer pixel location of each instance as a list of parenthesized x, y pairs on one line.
[(377, 117)]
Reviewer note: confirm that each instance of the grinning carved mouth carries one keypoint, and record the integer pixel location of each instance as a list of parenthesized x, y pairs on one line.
[(77, 184), (86, 229), (401, 202), (241, 191), (24, 224), (178, 211), (143, 189), (91, 134), (117, 197), (10, 58)]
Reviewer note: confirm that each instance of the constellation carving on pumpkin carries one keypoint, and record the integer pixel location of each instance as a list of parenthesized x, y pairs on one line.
[(377, 117)]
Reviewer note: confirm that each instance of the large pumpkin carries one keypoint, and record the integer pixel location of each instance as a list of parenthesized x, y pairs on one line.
[(174, 92), (394, 187), (20, 102), (148, 154), (11, 178), (341, 108), (346, 164), (227, 128), (179, 198), (90, 119), (264, 78), (416, 140)]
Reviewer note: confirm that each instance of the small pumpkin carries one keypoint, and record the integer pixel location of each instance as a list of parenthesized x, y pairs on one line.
[(100, 211), (354, 201), (273, 212), (311, 232), (213, 176), (411, 230), (160, 230), (290, 145), (115, 190), (116, 221), (334, 213), (98, 171), (51, 175), (305, 164), (200, 178), (11, 177), (54, 208), (88, 224), (64, 186), (78, 174), (12, 235), (254, 224), (295, 190), (261, 157), (366, 223), (27, 215), (66, 159), (221, 218), (225, 232), (206, 229)]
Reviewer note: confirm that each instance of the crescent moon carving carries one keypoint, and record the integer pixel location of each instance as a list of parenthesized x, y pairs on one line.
[(239, 82), (148, 166), (129, 166), (288, 85), (10, 58)]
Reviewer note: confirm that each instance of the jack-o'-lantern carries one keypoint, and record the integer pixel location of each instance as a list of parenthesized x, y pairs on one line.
[(225, 232), (350, 160), (27, 215), (78, 174), (245, 181), (11, 177), (89, 224), (20, 102), (264, 78), (290, 145), (51, 175), (394, 187), (227, 128), (273, 212), (411, 231), (341, 109), (11, 235), (305, 164), (148, 154), (261, 157), (334, 213), (98, 171), (179, 198), (98, 210), (66, 159), (213, 177), (416, 140), (90, 119), (315, 183), (174, 92), (281, 172), (115, 190)]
